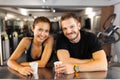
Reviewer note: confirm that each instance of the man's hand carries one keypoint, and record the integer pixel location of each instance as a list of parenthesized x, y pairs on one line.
[(64, 68), (69, 68)]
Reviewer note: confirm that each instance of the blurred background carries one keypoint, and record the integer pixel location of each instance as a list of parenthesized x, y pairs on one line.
[(16, 18)]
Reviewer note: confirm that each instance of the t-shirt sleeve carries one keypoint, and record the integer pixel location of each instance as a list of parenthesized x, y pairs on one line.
[(95, 44), (61, 43)]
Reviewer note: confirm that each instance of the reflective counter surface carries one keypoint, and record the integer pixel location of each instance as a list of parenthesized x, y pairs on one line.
[(48, 73)]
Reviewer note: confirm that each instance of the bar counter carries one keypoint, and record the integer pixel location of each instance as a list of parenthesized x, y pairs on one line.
[(48, 73)]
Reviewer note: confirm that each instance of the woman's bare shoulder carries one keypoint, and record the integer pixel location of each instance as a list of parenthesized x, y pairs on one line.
[(26, 40), (49, 40), (51, 37)]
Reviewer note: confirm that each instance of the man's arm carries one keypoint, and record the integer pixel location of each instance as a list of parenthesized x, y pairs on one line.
[(98, 63), (64, 56)]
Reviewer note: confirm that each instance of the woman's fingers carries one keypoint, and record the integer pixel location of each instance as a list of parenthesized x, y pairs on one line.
[(26, 71)]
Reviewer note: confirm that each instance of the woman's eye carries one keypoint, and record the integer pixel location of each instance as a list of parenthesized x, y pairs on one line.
[(40, 29), (47, 31)]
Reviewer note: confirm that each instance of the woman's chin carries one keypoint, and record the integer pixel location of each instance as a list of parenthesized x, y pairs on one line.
[(41, 41)]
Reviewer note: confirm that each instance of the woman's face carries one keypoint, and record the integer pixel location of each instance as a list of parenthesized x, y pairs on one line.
[(41, 31)]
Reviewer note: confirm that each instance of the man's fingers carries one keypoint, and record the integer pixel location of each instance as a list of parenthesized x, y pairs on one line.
[(60, 68)]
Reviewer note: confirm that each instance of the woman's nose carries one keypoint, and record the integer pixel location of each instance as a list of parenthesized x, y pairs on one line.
[(43, 33)]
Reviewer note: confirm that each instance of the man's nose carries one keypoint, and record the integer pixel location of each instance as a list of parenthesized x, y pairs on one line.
[(69, 30)]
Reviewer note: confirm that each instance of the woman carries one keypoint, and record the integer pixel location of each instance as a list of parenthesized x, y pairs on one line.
[(38, 49)]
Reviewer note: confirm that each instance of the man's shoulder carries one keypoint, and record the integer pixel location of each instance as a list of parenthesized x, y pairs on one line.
[(87, 33), (62, 38), (61, 35)]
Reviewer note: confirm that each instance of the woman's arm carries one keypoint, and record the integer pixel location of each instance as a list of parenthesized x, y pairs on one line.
[(12, 61), (46, 53)]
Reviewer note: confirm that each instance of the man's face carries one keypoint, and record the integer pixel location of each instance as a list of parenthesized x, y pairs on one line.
[(71, 29)]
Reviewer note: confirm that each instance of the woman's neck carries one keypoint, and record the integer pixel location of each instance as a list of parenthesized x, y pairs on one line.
[(37, 43)]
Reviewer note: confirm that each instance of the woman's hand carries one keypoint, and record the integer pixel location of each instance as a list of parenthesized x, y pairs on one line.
[(25, 64), (25, 71)]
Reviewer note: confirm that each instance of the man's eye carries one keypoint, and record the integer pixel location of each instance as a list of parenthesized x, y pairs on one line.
[(71, 26)]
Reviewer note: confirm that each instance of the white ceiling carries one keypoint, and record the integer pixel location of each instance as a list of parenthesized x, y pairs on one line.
[(33, 7), (55, 3)]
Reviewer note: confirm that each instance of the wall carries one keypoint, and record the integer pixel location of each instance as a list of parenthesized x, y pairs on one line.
[(116, 47), (1, 62), (106, 11)]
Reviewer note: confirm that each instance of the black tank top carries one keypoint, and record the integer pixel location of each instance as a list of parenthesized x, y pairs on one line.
[(28, 53)]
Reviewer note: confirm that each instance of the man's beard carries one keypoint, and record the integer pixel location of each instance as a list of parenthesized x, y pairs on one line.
[(72, 39)]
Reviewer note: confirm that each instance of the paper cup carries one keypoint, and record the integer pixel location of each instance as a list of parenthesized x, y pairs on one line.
[(36, 76), (34, 66), (57, 62)]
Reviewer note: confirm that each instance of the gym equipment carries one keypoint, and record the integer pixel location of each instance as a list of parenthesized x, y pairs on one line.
[(107, 36)]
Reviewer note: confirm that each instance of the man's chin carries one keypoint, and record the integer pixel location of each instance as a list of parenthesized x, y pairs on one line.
[(71, 39)]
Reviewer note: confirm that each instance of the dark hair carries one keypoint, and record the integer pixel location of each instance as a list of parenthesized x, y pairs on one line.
[(69, 15), (41, 19)]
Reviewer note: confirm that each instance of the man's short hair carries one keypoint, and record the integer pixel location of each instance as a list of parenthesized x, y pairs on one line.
[(69, 15)]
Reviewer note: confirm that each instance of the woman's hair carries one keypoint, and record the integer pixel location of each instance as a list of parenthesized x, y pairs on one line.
[(41, 19), (69, 15)]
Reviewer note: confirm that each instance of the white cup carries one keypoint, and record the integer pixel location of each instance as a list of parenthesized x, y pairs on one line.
[(36, 76), (34, 66), (57, 62)]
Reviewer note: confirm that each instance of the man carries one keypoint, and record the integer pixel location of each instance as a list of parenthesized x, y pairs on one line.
[(78, 50)]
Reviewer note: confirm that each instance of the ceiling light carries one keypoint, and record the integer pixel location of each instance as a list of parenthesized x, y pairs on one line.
[(52, 10), (88, 10), (10, 16), (38, 9), (23, 11), (43, 1)]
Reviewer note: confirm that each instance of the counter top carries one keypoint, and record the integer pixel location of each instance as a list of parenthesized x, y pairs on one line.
[(48, 73)]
